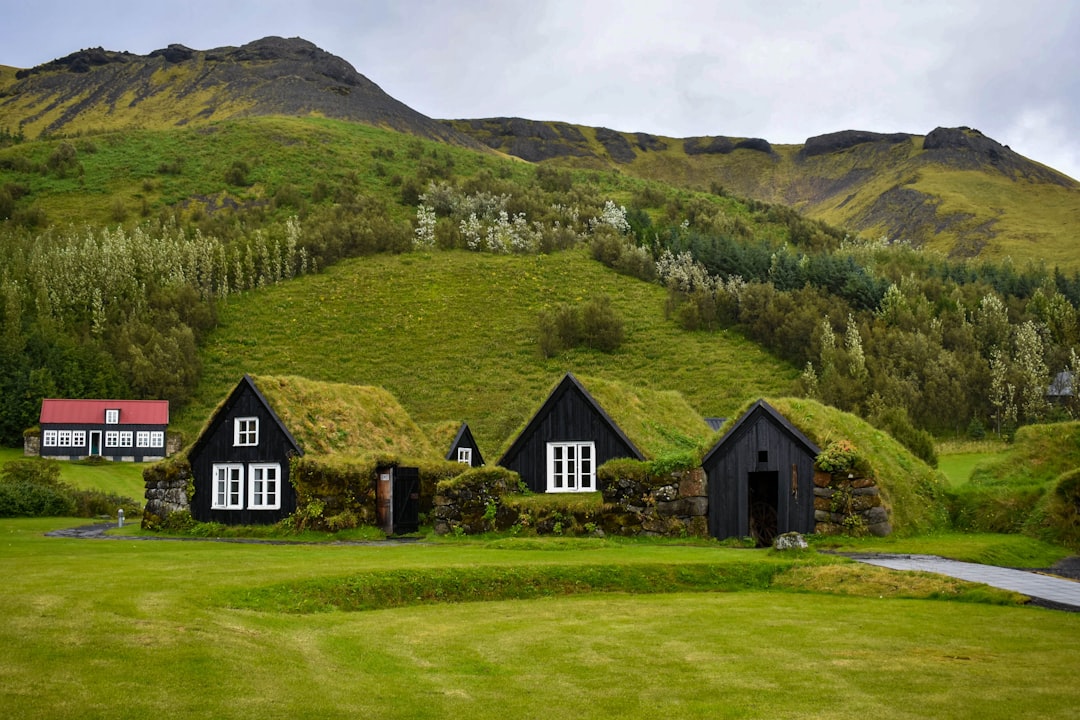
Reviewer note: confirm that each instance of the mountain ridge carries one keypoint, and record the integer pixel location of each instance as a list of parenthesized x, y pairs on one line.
[(952, 190)]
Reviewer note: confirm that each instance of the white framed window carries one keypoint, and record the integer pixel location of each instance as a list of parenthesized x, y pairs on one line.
[(571, 467), (464, 455), (246, 431), (112, 439), (63, 438), (142, 438), (264, 487), (228, 487), (125, 438), (112, 417), (48, 438), (78, 438), (157, 439)]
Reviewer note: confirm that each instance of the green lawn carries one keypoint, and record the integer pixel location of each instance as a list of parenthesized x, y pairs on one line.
[(957, 467), (132, 628), (117, 478)]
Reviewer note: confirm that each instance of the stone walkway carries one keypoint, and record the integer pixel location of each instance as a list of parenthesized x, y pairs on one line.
[(1054, 592)]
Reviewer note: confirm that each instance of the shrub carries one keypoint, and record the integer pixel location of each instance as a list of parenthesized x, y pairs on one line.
[(602, 328)]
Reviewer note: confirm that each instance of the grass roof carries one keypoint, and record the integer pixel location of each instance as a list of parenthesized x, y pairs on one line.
[(656, 421), (335, 418), (913, 490)]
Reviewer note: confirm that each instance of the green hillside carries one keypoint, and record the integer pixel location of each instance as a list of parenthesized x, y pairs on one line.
[(453, 335), (953, 190)]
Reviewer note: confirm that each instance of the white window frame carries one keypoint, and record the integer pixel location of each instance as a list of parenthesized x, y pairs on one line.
[(245, 431), (142, 438), (63, 438), (125, 438), (227, 488), (571, 467), (157, 439), (112, 438), (112, 417), (78, 438), (464, 455), (49, 438), (269, 476)]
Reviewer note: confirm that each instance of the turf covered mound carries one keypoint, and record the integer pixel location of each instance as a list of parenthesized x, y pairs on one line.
[(912, 491)]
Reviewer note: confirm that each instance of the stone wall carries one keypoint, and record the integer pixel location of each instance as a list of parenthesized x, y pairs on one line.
[(167, 488), (674, 505), (848, 504)]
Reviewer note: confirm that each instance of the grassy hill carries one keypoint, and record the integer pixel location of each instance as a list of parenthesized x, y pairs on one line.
[(453, 335), (953, 190)]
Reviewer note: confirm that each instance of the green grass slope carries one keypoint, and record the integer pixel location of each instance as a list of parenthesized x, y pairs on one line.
[(1032, 487), (453, 335), (914, 491), (134, 173), (964, 196)]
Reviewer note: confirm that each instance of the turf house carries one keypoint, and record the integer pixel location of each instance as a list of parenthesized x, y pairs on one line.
[(128, 430), (574, 432), (464, 449), (761, 477), (240, 463)]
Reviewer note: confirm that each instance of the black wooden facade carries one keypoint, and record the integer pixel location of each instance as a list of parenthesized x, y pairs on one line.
[(217, 446), (761, 477), (570, 414), (464, 441)]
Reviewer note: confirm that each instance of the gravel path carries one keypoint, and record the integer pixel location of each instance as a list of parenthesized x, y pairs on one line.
[(1057, 591)]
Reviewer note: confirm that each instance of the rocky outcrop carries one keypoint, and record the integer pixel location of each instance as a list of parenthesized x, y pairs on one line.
[(968, 149), (721, 145), (839, 141), (271, 76)]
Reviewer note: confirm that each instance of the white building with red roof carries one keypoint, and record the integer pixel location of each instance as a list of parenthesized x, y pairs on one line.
[(130, 430)]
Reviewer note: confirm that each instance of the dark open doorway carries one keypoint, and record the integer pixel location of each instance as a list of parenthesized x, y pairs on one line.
[(763, 497)]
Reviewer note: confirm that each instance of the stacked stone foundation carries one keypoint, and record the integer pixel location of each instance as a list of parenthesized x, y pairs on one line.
[(845, 504)]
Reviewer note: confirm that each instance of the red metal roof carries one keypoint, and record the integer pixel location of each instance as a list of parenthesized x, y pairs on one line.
[(132, 412)]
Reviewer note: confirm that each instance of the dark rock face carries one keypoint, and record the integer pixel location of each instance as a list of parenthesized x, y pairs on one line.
[(79, 62), (650, 142), (527, 139), (174, 53), (272, 76), (837, 141), (968, 149), (617, 146), (723, 145)]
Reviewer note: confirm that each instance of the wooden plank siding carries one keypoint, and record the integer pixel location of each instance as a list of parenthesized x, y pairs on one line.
[(215, 445), (729, 464), (569, 414)]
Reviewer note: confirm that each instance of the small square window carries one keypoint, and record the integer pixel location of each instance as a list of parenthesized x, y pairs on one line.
[(763, 456), (246, 431), (112, 417), (464, 455)]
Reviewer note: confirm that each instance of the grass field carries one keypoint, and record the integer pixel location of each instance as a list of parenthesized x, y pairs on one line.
[(454, 336), (133, 629), (116, 478)]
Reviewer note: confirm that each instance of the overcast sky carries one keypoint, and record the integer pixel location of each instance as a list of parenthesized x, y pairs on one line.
[(776, 69)]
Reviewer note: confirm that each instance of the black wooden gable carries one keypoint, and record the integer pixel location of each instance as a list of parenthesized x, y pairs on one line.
[(245, 400), (216, 445), (762, 460), (464, 439), (570, 414)]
